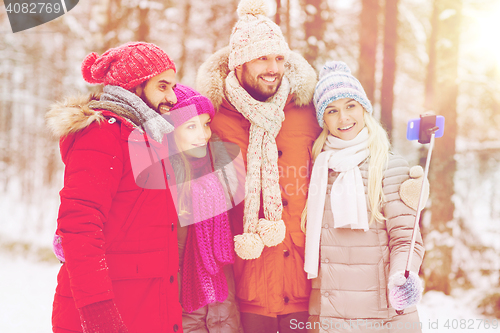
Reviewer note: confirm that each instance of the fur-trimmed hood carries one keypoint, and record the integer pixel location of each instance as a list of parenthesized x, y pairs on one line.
[(76, 113), (210, 80), (72, 115)]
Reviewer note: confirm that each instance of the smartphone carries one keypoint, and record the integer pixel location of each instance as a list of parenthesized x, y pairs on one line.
[(418, 128)]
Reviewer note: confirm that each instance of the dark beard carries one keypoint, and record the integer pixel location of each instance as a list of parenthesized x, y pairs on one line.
[(255, 91), (154, 108)]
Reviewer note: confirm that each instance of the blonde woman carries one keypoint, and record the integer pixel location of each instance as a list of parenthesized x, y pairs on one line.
[(358, 230)]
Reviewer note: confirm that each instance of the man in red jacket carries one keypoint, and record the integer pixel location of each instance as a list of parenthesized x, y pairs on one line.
[(119, 239)]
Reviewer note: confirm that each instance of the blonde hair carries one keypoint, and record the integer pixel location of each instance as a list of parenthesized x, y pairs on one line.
[(378, 145), (184, 188)]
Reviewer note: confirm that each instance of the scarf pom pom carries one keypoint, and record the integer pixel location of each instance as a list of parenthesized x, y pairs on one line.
[(248, 246), (271, 232)]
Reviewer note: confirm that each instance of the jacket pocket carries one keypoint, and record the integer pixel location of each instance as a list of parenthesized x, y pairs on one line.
[(383, 271), (246, 280), (299, 240), (131, 216), (301, 286), (125, 266)]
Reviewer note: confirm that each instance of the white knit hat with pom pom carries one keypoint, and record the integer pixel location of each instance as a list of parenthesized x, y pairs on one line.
[(255, 35), (337, 82)]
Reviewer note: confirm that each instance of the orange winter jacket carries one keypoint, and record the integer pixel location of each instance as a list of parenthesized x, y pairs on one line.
[(275, 283)]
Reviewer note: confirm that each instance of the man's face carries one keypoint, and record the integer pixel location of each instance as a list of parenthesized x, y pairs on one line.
[(262, 77), (158, 92)]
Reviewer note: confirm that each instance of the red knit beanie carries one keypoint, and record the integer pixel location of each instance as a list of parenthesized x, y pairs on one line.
[(127, 65), (190, 103)]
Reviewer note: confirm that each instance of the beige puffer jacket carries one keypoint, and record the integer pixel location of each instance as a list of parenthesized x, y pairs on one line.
[(355, 266)]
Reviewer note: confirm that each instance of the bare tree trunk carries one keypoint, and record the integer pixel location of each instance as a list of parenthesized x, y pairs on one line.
[(52, 160), (6, 124), (288, 29), (314, 27), (368, 41), (110, 15), (389, 71), (277, 16), (142, 33), (438, 262), (101, 15), (225, 13), (185, 35), (430, 80)]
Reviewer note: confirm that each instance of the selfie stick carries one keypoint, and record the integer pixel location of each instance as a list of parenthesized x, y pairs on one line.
[(420, 203)]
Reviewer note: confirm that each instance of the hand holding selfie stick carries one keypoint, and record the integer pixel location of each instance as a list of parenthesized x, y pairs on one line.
[(427, 135)]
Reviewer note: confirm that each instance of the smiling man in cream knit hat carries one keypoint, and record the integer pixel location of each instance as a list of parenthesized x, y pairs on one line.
[(262, 92)]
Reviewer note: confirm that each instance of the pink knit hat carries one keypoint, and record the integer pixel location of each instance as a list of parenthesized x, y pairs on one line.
[(127, 65), (190, 103)]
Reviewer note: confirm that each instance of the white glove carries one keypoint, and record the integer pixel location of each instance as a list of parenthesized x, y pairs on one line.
[(404, 292)]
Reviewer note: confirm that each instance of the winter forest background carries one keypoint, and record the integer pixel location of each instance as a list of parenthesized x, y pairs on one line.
[(410, 55)]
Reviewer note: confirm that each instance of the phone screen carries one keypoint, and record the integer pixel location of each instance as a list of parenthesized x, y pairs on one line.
[(413, 128)]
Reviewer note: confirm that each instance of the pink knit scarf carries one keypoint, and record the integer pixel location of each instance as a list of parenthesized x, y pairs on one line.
[(209, 243)]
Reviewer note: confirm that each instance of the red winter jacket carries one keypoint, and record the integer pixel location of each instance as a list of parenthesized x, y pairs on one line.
[(119, 240)]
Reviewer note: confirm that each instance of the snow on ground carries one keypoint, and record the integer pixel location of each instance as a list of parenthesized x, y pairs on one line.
[(458, 313), (27, 289), (26, 292)]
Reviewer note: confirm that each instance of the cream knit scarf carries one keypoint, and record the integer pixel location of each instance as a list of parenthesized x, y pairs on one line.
[(347, 194), (262, 168)]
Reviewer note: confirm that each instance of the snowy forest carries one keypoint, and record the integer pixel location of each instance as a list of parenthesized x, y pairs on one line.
[(411, 56)]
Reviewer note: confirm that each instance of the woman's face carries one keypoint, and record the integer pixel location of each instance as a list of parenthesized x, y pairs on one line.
[(344, 118), (192, 136)]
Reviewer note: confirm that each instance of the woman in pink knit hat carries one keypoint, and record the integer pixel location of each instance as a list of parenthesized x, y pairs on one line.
[(206, 183)]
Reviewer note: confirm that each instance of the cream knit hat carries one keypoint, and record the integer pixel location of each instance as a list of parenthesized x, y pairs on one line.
[(255, 35)]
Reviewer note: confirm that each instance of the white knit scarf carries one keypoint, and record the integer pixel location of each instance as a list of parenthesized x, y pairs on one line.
[(262, 168), (347, 193)]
